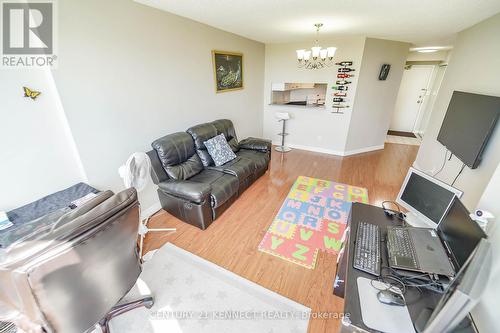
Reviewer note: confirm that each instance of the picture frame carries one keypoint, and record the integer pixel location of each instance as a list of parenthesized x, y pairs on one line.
[(228, 70)]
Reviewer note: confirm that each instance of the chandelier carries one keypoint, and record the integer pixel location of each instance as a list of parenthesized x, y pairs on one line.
[(316, 58)]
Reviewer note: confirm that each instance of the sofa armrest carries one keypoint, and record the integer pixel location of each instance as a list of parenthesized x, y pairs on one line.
[(185, 189), (256, 144)]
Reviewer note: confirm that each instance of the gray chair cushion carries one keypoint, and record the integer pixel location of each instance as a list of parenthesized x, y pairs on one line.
[(225, 126), (48, 204), (219, 150), (178, 156), (200, 134), (224, 186)]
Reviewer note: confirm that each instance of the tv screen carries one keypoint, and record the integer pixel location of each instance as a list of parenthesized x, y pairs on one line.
[(468, 124)]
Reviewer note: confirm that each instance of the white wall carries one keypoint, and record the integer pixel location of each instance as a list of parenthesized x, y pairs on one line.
[(473, 67), (38, 156), (486, 313), (129, 74), (310, 128), (375, 99)]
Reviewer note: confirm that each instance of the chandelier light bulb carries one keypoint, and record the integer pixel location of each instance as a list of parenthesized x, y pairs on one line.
[(315, 52), (331, 51), (307, 55), (300, 54), (323, 54)]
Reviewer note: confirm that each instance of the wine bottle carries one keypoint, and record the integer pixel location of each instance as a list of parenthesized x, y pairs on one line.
[(344, 76), (340, 106), (340, 88), (343, 82), (340, 94), (345, 70), (344, 63), (338, 99)]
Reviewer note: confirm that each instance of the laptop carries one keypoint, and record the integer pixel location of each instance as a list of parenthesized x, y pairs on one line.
[(430, 249), (418, 249)]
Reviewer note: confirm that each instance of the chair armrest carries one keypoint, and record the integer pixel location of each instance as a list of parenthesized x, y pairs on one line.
[(256, 144), (185, 189)]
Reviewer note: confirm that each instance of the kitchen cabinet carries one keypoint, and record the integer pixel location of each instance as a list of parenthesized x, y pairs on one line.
[(298, 94), (290, 86)]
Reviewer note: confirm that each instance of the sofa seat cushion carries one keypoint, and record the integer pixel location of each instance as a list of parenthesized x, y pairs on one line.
[(260, 159), (240, 167), (224, 186)]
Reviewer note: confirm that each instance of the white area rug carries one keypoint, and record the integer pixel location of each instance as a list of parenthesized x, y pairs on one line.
[(195, 295)]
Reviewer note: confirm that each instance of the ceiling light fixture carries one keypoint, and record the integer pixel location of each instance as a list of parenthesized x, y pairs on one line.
[(317, 57), (427, 50)]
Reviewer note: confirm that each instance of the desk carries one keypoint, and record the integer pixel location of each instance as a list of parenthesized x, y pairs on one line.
[(347, 273)]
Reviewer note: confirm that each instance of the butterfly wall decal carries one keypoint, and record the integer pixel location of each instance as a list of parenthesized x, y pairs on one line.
[(31, 93)]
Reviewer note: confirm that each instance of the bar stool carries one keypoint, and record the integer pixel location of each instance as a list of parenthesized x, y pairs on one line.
[(283, 116)]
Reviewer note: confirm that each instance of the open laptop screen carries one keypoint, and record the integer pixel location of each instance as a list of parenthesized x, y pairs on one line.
[(459, 233)]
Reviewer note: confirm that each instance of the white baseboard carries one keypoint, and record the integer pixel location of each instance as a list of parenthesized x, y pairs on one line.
[(333, 152), (363, 150), (145, 213), (317, 149)]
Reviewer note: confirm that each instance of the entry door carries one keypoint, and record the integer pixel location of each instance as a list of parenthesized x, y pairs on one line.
[(411, 97)]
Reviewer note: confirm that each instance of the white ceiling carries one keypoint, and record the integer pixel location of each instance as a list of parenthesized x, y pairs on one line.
[(422, 22)]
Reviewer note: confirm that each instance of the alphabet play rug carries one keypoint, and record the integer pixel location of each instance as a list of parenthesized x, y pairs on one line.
[(312, 218)]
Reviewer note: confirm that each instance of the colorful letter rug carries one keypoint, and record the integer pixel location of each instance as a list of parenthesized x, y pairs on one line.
[(312, 218)]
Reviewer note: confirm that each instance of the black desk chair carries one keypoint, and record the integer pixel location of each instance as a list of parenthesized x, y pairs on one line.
[(70, 278)]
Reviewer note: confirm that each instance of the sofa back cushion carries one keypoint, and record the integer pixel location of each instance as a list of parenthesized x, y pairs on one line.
[(200, 134), (226, 127), (178, 155)]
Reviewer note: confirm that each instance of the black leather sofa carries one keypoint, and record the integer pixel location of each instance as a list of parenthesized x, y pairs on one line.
[(190, 186)]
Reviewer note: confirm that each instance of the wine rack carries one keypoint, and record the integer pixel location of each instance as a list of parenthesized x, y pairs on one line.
[(342, 84)]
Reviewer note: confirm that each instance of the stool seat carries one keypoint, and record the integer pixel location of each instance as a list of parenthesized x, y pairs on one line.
[(282, 115)]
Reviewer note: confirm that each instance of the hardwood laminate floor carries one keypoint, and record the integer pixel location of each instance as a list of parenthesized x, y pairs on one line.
[(231, 241)]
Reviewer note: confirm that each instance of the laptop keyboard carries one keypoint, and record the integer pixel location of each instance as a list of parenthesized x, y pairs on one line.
[(401, 249)]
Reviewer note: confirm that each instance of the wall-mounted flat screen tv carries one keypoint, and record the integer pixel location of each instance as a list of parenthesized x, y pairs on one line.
[(468, 124)]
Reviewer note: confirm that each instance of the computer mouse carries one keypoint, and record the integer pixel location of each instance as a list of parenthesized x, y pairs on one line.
[(390, 297)]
